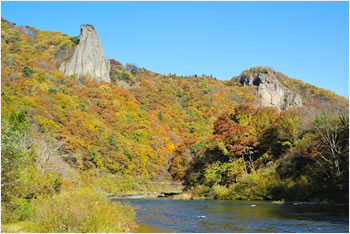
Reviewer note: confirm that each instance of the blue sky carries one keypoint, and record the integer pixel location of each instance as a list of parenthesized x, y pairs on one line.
[(305, 40)]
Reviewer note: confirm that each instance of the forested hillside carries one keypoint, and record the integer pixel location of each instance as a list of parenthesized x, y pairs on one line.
[(59, 132)]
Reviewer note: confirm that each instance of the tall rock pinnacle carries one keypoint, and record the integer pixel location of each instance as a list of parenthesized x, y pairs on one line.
[(88, 58)]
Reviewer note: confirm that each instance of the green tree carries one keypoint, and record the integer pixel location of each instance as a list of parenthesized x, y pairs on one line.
[(75, 40), (27, 71), (13, 161)]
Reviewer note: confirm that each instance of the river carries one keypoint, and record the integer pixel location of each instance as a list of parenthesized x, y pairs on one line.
[(237, 216)]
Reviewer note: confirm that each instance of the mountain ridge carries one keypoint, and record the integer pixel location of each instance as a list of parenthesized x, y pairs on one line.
[(130, 130)]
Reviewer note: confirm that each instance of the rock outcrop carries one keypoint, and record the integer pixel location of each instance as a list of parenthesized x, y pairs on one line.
[(269, 90), (88, 58)]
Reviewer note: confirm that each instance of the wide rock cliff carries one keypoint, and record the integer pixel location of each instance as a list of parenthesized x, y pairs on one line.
[(269, 90), (88, 58)]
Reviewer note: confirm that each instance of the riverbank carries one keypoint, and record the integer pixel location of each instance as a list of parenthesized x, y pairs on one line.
[(144, 189), (186, 196), (189, 196), (145, 196)]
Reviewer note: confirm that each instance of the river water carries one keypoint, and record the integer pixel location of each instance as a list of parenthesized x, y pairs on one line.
[(237, 216)]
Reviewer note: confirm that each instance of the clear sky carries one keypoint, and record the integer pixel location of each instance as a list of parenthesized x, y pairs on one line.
[(305, 40)]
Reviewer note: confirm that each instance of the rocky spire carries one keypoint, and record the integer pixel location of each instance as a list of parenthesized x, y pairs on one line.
[(88, 58)]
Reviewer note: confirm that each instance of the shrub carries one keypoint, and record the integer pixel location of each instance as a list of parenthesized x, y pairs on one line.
[(221, 192), (239, 191), (83, 210), (199, 190), (27, 71), (113, 75), (127, 76), (35, 183), (13, 162), (75, 40), (89, 25), (82, 107), (127, 153), (160, 116), (18, 210), (132, 68), (183, 196), (54, 91)]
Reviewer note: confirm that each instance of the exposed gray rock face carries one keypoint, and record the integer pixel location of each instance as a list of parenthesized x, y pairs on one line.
[(88, 58), (270, 91)]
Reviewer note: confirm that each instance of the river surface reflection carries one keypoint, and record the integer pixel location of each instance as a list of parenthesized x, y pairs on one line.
[(237, 216)]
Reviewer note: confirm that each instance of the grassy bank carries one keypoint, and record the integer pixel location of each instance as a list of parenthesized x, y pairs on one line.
[(78, 210), (81, 204)]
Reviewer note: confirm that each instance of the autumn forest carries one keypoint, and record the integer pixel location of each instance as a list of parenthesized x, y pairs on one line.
[(71, 138)]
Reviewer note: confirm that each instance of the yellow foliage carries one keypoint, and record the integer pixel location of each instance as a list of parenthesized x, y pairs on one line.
[(88, 125), (44, 87), (83, 210), (169, 148), (105, 88), (49, 125)]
